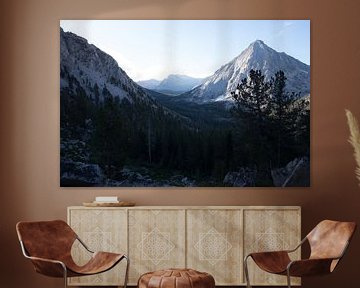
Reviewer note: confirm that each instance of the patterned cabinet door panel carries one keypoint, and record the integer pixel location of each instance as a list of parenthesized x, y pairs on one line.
[(214, 244), (156, 240), (101, 230), (270, 230)]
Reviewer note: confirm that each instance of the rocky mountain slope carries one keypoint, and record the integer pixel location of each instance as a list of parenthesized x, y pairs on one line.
[(95, 71), (257, 56)]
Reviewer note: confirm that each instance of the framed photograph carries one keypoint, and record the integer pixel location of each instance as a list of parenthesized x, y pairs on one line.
[(185, 103)]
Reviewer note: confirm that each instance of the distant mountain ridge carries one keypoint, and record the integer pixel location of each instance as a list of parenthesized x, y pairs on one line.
[(172, 83), (257, 56), (149, 84)]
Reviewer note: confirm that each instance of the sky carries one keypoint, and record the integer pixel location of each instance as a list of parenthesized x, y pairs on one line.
[(154, 49)]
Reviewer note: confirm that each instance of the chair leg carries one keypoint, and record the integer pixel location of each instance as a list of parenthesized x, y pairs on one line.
[(65, 276), (246, 270), (127, 271), (288, 278)]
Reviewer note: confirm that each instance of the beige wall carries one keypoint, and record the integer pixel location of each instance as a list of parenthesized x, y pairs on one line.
[(29, 119)]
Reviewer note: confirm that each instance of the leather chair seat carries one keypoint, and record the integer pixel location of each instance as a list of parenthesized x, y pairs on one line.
[(328, 242), (272, 262), (48, 245)]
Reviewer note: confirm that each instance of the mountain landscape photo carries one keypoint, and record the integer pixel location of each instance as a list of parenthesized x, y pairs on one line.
[(246, 123)]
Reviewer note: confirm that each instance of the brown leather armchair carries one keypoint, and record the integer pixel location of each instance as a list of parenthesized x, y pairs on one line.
[(48, 245), (328, 242)]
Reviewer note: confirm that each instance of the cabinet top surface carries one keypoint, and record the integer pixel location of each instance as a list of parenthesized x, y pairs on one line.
[(192, 207)]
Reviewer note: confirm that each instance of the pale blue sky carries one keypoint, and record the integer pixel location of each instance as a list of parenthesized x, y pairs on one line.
[(148, 49)]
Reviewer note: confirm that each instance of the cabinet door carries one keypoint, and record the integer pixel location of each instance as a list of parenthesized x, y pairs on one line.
[(156, 240), (214, 244), (271, 230), (101, 230)]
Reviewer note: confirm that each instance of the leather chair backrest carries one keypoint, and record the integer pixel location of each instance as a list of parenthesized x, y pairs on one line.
[(329, 239), (46, 239)]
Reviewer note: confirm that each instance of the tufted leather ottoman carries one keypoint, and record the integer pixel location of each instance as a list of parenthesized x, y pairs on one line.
[(176, 278)]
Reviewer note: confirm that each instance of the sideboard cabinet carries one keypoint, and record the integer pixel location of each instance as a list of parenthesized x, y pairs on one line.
[(212, 239)]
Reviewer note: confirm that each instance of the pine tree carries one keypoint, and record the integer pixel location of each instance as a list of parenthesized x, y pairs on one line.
[(290, 120), (282, 116), (273, 123), (109, 140), (252, 107)]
